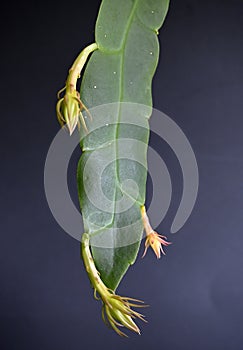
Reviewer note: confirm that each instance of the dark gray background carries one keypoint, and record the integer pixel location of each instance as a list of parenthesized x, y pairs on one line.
[(196, 291)]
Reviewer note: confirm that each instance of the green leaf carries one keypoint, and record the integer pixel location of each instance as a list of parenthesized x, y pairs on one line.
[(116, 87)]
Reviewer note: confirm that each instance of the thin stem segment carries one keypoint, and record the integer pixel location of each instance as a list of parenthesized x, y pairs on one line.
[(75, 70)]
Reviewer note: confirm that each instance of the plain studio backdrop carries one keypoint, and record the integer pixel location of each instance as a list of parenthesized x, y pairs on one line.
[(195, 292)]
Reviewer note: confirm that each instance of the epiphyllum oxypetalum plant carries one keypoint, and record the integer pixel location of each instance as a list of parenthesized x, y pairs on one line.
[(119, 70)]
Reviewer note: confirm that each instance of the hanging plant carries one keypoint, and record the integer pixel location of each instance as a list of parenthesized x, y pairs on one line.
[(112, 113)]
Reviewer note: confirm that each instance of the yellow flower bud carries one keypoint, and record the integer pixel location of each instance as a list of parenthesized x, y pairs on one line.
[(156, 242), (69, 111)]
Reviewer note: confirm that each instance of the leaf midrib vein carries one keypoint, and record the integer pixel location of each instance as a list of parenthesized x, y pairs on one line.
[(121, 89)]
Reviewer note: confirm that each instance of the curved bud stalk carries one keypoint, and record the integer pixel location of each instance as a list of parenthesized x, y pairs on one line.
[(153, 239), (69, 108), (116, 310)]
